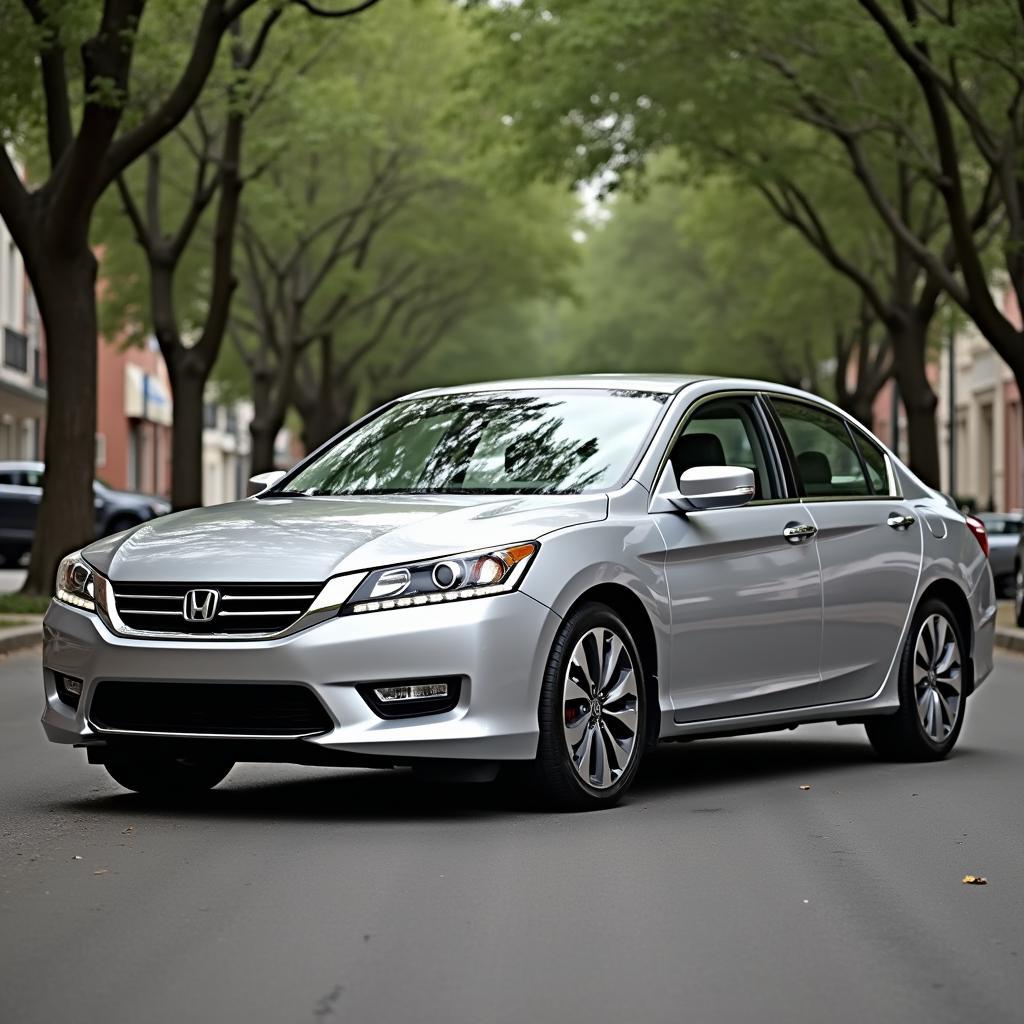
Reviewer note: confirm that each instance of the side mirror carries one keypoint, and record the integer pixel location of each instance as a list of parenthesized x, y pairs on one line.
[(708, 487), (261, 481)]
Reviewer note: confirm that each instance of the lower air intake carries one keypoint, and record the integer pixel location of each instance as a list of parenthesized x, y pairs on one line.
[(225, 709)]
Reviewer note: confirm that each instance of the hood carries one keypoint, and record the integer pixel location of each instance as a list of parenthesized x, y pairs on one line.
[(308, 539)]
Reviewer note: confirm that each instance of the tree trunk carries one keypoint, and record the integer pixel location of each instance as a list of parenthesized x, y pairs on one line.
[(263, 434), (909, 347), (187, 386), (862, 409), (65, 289), (266, 423), (321, 422)]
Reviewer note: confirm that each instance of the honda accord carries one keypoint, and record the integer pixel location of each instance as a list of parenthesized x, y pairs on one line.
[(547, 577)]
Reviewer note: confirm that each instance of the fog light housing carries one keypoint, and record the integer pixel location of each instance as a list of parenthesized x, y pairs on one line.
[(69, 690), (412, 699)]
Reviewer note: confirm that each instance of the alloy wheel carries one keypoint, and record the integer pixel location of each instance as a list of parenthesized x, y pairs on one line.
[(938, 677), (600, 708)]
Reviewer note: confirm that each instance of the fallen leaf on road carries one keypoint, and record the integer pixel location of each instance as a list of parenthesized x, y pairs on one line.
[(76, 857), (128, 831), (805, 788), (974, 880), (101, 871)]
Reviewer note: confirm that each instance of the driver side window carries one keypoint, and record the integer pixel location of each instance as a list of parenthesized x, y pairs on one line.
[(723, 432)]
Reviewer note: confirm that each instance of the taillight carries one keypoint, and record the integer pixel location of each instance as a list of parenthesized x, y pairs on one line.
[(977, 527)]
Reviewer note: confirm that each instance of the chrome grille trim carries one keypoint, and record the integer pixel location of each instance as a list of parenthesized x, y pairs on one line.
[(326, 602)]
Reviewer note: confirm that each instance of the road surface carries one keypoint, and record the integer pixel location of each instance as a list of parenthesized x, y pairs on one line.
[(720, 892)]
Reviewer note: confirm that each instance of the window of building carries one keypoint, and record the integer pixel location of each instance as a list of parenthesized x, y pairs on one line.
[(15, 350), (13, 282)]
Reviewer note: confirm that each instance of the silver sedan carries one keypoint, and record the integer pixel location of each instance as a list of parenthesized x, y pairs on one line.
[(544, 576)]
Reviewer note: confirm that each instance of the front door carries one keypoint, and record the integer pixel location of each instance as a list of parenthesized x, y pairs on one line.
[(745, 598), (869, 542)]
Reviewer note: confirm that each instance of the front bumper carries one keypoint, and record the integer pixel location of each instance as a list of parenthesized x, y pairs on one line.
[(497, 645)]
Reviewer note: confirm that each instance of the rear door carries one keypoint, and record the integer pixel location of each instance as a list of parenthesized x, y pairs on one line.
[(745, 598), (868, 540)]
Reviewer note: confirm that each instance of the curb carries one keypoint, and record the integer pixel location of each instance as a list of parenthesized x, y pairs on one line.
[(19, 639), (1010, 639)]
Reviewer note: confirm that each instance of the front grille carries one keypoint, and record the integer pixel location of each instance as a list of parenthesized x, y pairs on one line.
[(230, 709), (239, 608)]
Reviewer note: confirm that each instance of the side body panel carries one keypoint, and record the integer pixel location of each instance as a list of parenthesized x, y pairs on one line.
[(870, 573), (746, 611)]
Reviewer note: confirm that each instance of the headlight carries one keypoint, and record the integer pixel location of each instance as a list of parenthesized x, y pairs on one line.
[(478, 574), (159, 508), (75, 582)]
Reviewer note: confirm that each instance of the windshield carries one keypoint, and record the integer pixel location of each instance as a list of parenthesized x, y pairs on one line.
[(515, 442)]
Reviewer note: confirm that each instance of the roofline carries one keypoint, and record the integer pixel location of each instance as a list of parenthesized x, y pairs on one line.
[(667, 384)]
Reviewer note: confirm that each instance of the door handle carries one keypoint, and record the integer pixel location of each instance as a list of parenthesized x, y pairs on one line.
[(796, 532), (899, 521)]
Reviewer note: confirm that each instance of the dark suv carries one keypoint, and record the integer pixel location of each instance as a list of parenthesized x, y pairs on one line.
[(20, 492)]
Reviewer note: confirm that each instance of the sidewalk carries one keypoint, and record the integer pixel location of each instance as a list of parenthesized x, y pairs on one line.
[(1008, 634), (18, 631)]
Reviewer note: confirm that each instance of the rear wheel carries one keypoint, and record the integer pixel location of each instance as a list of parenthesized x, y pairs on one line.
[(931, 690), (592, 713), (169, 776)]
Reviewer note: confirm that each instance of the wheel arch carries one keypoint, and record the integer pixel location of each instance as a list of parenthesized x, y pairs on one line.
[(955, 599), (630, 608)]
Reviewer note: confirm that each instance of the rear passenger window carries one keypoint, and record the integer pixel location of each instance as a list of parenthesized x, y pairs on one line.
[(874, 459), (827, 462)]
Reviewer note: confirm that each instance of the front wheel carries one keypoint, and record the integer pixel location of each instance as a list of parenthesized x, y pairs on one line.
[(168, 777), (1018, 595), (592, 714), (931, 691)]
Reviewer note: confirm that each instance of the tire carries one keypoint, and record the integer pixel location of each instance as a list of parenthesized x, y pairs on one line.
[(1018, 596), (168, 777), (933, 674), (607, 753)]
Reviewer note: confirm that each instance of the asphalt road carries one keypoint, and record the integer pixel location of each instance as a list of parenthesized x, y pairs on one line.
[(720, 892)]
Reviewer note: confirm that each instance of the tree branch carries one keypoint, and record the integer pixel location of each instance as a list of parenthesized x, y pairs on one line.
[(213, 22), (345, 12), (55, 85)]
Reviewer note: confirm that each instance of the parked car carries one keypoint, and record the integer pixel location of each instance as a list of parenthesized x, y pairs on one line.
[(550, 575), (21, 491), (1018, 577), (1004, 533)]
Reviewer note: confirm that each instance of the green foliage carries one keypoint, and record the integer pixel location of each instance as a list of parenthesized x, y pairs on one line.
[(23, 604), (701, 280), (377, 125)]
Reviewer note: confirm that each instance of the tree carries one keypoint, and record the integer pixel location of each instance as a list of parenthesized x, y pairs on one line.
[(741, 89), (967, 62), (700, 279), (362, 254), (72, 82), (210, 143)]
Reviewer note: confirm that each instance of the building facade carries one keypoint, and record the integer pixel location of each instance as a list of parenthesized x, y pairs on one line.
[(22, 361), (226, 446), (133, 418), (984, 464)]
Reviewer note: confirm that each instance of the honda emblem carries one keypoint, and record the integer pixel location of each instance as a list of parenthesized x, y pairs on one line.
[(200, 605)]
